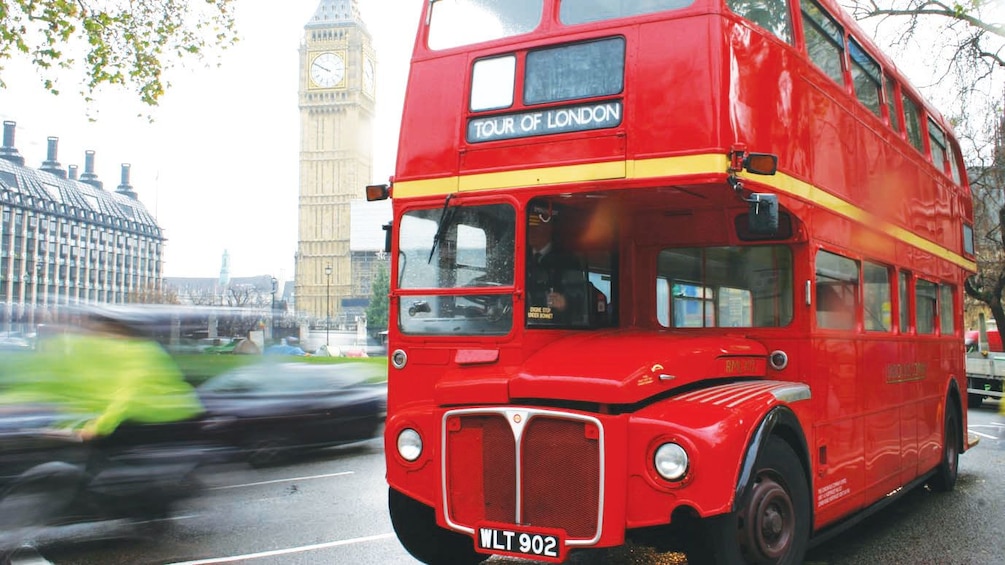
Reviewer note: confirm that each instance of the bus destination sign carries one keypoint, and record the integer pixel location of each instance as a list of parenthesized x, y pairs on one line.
[(555, 120)]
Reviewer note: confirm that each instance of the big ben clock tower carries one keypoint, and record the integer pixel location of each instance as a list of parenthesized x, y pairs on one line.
[(336, 117)]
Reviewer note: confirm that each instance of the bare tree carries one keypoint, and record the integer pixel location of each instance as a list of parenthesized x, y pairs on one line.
[(964, 52), (988, 184)]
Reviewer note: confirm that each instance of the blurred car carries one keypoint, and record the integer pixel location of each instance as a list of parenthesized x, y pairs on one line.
[(268, 411)]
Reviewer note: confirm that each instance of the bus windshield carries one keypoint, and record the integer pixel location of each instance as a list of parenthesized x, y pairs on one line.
[(584, 11), (463, 248), (454, 23)]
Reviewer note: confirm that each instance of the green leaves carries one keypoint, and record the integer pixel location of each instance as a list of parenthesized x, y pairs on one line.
[(126, 43)]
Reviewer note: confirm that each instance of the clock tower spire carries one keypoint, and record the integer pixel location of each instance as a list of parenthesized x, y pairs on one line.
[(336, 120)]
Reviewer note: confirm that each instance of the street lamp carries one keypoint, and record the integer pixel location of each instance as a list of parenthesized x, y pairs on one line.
[(328, 302), (272, 318)]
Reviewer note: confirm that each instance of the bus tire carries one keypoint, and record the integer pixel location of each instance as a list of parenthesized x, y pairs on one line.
[(415, 525), (974, 400), (944, 479), (772, 527)]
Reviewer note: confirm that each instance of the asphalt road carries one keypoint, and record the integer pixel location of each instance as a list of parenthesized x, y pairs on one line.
[(331, 508)]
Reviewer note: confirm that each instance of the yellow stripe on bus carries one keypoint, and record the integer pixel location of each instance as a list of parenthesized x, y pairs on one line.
[(642, 169)]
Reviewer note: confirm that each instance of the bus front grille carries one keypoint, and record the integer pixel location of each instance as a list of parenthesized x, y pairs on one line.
[(534, 468)]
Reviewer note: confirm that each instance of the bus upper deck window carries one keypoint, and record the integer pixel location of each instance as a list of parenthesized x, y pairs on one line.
[(772, 15), (586, 11), (454, 23)]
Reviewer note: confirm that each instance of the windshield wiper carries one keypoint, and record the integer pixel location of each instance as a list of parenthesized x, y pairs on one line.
[(446, 217)]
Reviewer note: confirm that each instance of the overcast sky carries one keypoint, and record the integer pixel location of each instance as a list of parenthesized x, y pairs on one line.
[(219, 166)]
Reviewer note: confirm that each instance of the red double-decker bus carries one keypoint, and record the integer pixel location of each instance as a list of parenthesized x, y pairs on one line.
[(682, 271)]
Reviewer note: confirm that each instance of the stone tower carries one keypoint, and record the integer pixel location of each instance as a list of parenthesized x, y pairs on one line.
[(337, 71)]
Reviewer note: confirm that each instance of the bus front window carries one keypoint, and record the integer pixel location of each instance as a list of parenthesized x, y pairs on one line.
[(467, 248), (453, 23)]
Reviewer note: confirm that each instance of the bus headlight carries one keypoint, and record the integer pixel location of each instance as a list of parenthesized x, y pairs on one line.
[(409, 444), (671, 461)]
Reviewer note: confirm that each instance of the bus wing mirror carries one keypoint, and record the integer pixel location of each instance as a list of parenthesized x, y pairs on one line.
[(387, 237), (376, 192), (763, 213), (761, 163)]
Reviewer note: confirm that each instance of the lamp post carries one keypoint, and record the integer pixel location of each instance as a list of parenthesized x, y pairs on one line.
[(328, 303), (272, 316)]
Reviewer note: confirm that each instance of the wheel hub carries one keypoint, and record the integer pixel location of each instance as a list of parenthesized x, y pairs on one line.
[(768, 526)]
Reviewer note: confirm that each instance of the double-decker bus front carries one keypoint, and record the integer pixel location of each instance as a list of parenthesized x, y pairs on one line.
[(606, 323)]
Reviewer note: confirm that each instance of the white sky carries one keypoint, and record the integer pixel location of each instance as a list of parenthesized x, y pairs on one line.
[(219, 165)]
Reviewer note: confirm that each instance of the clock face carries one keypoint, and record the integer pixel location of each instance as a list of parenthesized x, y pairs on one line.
[(368, 75), (327, 70)]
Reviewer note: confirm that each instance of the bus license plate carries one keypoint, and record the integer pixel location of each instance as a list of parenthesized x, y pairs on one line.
[(544, 545)]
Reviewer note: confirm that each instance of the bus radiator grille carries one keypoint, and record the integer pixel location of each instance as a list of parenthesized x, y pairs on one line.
[(559, 475)]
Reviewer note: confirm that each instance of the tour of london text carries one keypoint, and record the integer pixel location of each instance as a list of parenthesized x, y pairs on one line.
[(555, 120)]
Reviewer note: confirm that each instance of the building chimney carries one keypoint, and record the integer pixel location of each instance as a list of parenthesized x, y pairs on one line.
[(124, 188), (8, 151), (89, 177), (72, 173), (51, 165)]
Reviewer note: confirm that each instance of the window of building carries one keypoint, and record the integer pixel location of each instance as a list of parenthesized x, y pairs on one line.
[(824, 40)]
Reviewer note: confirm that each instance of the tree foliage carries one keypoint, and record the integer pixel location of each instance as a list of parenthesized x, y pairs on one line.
[(377, 312), (125, 43)]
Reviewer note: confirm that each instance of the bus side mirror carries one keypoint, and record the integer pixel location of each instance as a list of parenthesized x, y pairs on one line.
[(376, 192), (763, 213), (761, 163), (387, 237)]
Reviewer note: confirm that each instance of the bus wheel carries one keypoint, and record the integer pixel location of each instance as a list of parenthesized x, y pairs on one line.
[(415, 525), (773, 527), (944, 479), (975, 400)]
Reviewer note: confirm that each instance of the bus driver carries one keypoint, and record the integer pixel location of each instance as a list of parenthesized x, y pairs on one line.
[(555, 279)]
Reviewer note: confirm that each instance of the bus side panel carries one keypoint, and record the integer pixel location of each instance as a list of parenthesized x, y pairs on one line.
[(762, 113), (839, 434), (431, 125), (675, 91), (884, 408)]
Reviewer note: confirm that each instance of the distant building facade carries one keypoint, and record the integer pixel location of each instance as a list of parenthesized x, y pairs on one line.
[(66, 240)]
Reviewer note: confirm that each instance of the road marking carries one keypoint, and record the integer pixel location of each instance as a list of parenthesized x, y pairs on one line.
[(286, 551), (309, 478), (984, 435)]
